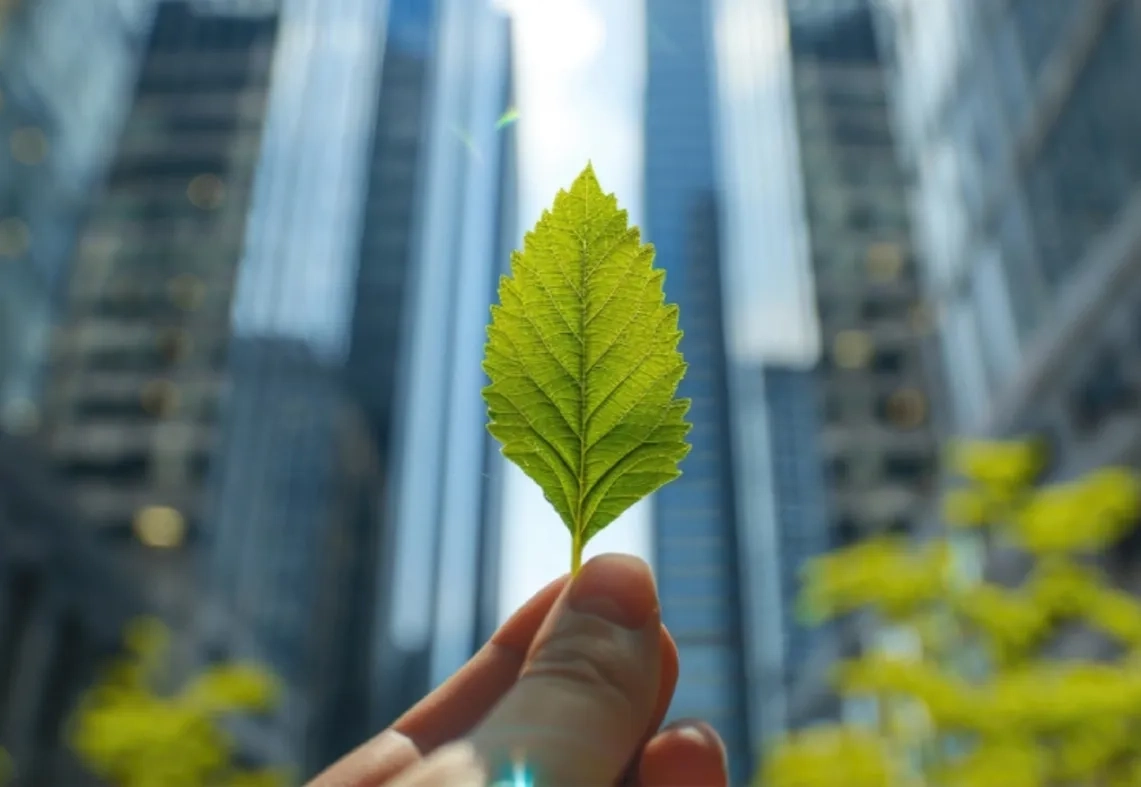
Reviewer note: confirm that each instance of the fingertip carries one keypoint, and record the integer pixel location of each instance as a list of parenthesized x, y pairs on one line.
[(685, 754), (617, 587), (668, 681), (670, 660)]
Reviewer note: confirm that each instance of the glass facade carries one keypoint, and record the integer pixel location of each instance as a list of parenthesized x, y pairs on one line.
[(293, 517), (371, 553), (139, 348), (794, 409), (64, 88), (431, 253), (63, 603), (1030, 144), (877, 440), (694, 518), (395, 171)]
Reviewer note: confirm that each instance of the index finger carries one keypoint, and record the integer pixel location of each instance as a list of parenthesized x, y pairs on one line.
[(466, 697), (452, 709)]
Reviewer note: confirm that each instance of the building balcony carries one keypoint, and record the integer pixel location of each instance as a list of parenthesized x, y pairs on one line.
[(105, 503), (113, 440)]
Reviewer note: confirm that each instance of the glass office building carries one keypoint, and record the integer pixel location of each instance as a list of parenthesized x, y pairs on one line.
[(793, 401), (878, 437), (375, 516), (695, 538), (292, 515), (1028, 181), (139, 350), (63, 603), (444, 254), (64, 89)]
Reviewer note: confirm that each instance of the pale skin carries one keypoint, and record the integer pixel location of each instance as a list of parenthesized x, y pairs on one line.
[(576, 684)]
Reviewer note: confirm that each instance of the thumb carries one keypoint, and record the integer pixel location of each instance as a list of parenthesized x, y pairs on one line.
[(587, 694)]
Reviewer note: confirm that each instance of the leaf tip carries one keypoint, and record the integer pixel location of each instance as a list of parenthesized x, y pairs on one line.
[(587, 178)]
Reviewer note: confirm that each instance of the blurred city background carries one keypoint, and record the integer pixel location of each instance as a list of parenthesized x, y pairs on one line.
[(247, 249)]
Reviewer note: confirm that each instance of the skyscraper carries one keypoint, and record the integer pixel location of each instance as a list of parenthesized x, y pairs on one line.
[(1028, 191), (66, 75), (792, 398), (351, 476), (878, 441), (694, 517), (139, 353), (436, 529), (63, 603), (293, 510)]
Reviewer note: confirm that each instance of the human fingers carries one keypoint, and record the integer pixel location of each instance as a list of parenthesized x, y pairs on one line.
[(685, 754), (453, 708), (459, 765), (588, 693), (666, 687)]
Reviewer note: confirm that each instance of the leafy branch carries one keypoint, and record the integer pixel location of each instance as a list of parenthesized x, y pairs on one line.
[(1017, 717)]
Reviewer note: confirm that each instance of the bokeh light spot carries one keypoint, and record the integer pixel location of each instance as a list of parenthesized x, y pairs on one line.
[(206, 191), (907, 408), (852, 349), (14, 237), (885, 261), (160, 398), (160, 527)]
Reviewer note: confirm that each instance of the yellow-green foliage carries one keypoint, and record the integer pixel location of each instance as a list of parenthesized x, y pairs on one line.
[(830, 757), (131, 735), (1028, 721)]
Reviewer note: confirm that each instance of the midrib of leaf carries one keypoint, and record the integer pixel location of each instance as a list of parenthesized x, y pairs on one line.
[(583, 371)]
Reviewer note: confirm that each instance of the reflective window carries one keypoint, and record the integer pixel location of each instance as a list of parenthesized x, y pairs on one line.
[(943, 217), (991, 296), (966, 375), (1091, 161), (1042, 26), (1009, 74), (1018, 259)]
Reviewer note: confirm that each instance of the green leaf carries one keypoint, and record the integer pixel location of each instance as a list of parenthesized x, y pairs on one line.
[(583, 362)]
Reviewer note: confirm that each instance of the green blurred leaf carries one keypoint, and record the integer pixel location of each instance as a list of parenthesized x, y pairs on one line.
[(232, 687)]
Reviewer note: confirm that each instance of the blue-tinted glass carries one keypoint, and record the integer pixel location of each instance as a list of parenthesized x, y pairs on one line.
[(1042, 26), (410, 24), (1090, 163)]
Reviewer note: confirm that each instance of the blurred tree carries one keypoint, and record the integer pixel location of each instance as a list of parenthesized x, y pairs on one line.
[(129, 733), (7, 768), (1011, 716)]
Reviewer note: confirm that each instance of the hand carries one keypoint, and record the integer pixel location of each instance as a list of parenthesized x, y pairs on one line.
[(576, 683)]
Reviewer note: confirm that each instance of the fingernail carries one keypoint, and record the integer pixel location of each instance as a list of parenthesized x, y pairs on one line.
[(698, 732), (390, 745), (454, 765), (691, 734), (617, 588)]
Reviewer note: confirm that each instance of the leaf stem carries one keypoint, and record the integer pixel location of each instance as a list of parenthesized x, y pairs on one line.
[(576, 553)]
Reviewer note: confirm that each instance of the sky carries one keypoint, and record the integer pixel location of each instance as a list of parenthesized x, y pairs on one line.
[(579, 80)]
